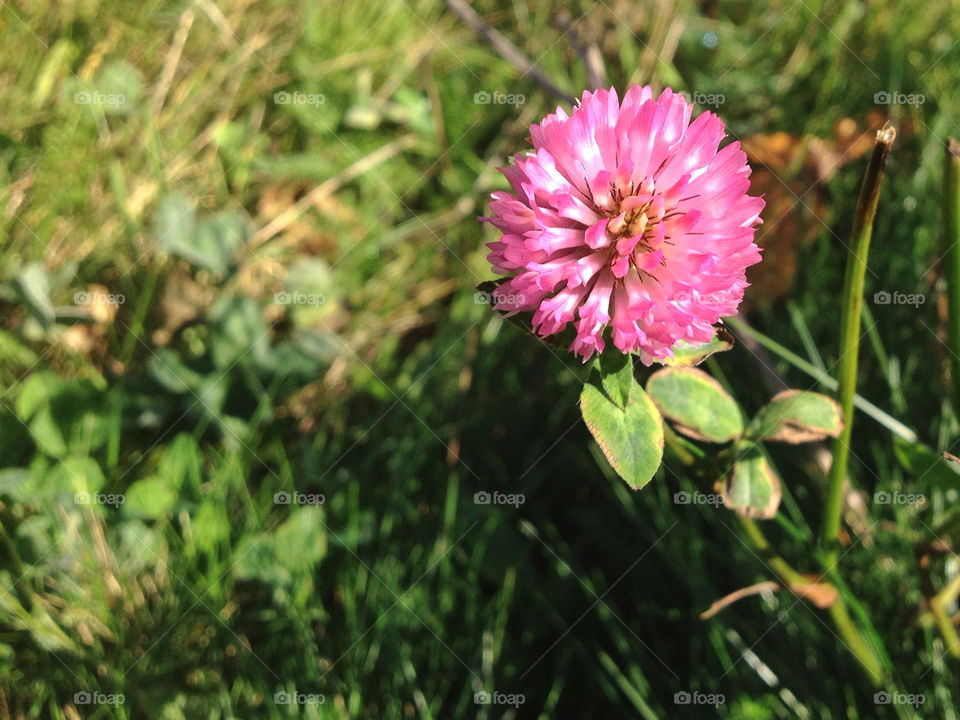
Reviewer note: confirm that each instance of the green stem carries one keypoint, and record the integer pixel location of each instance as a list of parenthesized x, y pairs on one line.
[(791, 577), (951, 263), (850, 336), (855, 642)]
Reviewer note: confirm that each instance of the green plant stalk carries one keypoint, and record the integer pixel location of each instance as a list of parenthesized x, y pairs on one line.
[(951, 262), (850, 336), (854, 641), (789, 576)]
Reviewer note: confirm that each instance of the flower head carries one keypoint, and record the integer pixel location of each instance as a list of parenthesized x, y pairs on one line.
[(627, 221)]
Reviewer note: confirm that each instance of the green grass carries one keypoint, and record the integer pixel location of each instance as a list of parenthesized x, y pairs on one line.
[(399, 397)]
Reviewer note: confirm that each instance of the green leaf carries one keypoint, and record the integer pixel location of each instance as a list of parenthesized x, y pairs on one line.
[(695, 404), (77, 475), (34, 394), (630, 437), (239, 332), (616, 372), (211, 526), (794, 416), (752, 488), (931, 470), (687, 355), (181, 461), (149, 498), (33, 281), (47, 433)]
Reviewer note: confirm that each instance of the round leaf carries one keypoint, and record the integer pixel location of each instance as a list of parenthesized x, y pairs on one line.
[(696, 404), (752, 488), (149, 498), (794, 416)]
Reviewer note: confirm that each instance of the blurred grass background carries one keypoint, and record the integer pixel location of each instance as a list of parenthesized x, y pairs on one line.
[(148, 152)]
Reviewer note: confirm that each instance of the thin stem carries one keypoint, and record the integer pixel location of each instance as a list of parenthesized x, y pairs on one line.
[(951, 262), (850, 336)]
